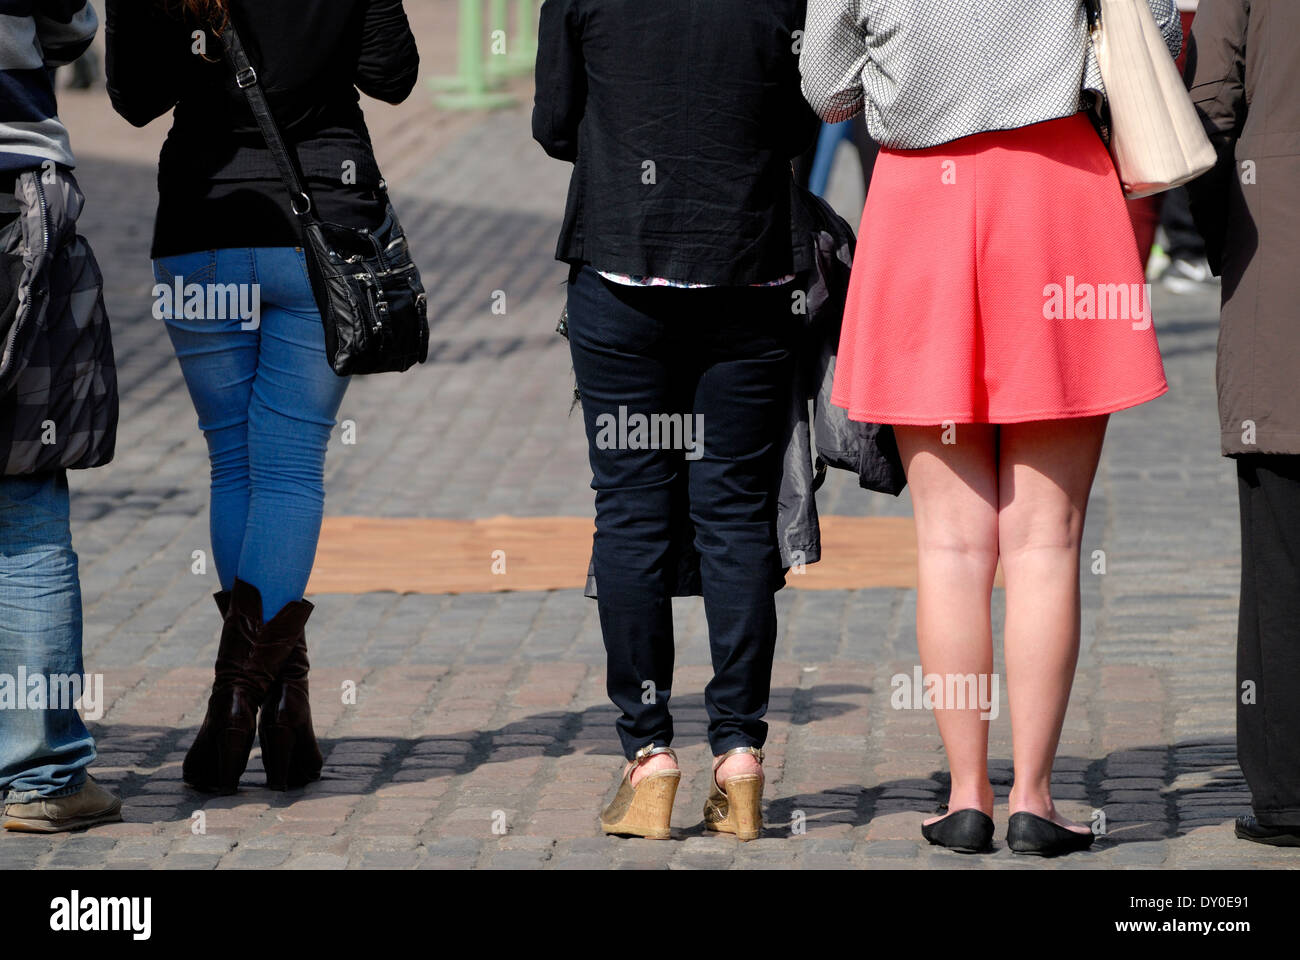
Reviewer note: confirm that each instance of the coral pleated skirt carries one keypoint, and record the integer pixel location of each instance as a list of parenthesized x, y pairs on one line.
[(997, 280)]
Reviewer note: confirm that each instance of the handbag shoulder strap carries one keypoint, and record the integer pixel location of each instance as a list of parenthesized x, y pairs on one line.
[(1093, 9), (246, 79)]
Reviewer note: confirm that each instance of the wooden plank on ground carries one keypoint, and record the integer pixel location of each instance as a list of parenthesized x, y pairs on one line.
[(435, 555)]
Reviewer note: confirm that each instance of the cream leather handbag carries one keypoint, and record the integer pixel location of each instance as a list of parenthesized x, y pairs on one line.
[(1156, 137)]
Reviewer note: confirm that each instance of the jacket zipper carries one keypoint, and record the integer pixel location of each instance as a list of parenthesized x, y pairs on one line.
[(395, 272), (45, 215)]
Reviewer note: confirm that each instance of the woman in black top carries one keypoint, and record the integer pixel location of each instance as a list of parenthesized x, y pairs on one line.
[(681, 119), (234, 292)]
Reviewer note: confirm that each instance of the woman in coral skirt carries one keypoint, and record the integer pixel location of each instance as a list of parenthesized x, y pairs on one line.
[(997, 315)]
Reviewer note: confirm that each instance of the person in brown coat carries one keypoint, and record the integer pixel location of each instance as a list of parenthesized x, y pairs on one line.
[(1243, 72)]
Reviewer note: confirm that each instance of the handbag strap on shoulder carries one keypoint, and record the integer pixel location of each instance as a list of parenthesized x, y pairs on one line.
[(1093, 8), (247, 80)]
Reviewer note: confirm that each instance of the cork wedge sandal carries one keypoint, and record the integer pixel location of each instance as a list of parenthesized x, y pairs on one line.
[(645, 810), (737, 805)]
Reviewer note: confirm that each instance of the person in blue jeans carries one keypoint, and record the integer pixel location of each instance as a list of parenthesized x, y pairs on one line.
[(267, 398), (234, 292), (58, 411), (44, 753)]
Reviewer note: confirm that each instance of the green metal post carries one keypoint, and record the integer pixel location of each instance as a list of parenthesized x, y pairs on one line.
[(470, 89), (523, 43), (498, 64)]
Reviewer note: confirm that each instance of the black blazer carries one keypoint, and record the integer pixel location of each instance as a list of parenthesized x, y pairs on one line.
[(218, 186), (681, 118)]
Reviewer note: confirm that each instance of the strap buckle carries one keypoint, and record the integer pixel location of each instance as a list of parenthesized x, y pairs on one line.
[(246, 78), (650, 750)]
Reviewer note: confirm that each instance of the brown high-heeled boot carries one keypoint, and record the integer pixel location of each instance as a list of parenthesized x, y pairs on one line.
[(289, 751), (250, 657)]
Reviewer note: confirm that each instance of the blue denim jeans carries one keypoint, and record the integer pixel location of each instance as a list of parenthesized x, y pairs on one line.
[(43, 752), (266, 399)]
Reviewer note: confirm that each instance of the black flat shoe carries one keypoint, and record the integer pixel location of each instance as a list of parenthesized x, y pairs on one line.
[(1038, 837), (1248, 828), (964, 831)]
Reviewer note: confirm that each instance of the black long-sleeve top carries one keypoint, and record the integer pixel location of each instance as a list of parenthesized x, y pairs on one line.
[(681, 118), (218, 186)]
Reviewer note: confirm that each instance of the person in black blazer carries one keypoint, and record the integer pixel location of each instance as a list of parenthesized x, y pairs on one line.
[(681, 119)]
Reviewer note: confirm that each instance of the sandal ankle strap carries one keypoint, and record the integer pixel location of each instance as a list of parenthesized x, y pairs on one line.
[(650, 750), (754, 751)]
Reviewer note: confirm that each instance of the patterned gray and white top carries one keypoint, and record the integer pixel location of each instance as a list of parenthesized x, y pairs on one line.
[(930, 71)]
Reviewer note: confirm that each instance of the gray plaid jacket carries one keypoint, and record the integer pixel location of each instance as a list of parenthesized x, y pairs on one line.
[(930, 71), (58, 383)]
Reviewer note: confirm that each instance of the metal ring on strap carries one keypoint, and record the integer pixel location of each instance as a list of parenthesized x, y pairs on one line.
[(306, 200)]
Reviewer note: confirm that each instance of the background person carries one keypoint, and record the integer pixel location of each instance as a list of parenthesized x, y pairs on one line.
[(58, 411), (1244, 83), (1186, 269)]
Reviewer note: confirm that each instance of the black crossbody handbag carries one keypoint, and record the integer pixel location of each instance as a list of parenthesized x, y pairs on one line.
[(366, 285)]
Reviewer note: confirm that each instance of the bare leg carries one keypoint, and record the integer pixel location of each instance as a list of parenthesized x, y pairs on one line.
[(736, 765), (1046, 469), (655, 764), (954, 499)]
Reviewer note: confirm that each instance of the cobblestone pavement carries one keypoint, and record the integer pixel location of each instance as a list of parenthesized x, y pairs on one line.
[(480, 713)]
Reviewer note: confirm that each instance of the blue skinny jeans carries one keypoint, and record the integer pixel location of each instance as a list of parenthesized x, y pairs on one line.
[(267, 401)]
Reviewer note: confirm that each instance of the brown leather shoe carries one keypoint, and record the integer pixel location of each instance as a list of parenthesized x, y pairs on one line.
[(249, 659), (90, 805)]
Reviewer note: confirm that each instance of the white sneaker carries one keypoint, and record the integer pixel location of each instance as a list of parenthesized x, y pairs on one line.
[(1188, 276)]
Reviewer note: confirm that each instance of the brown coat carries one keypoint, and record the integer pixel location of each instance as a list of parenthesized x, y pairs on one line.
[(1243, 70)]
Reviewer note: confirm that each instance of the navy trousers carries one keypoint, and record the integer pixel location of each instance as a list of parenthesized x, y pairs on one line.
[(719, 361)]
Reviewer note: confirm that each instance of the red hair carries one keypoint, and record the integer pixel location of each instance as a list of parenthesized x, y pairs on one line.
[(212, 12)]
